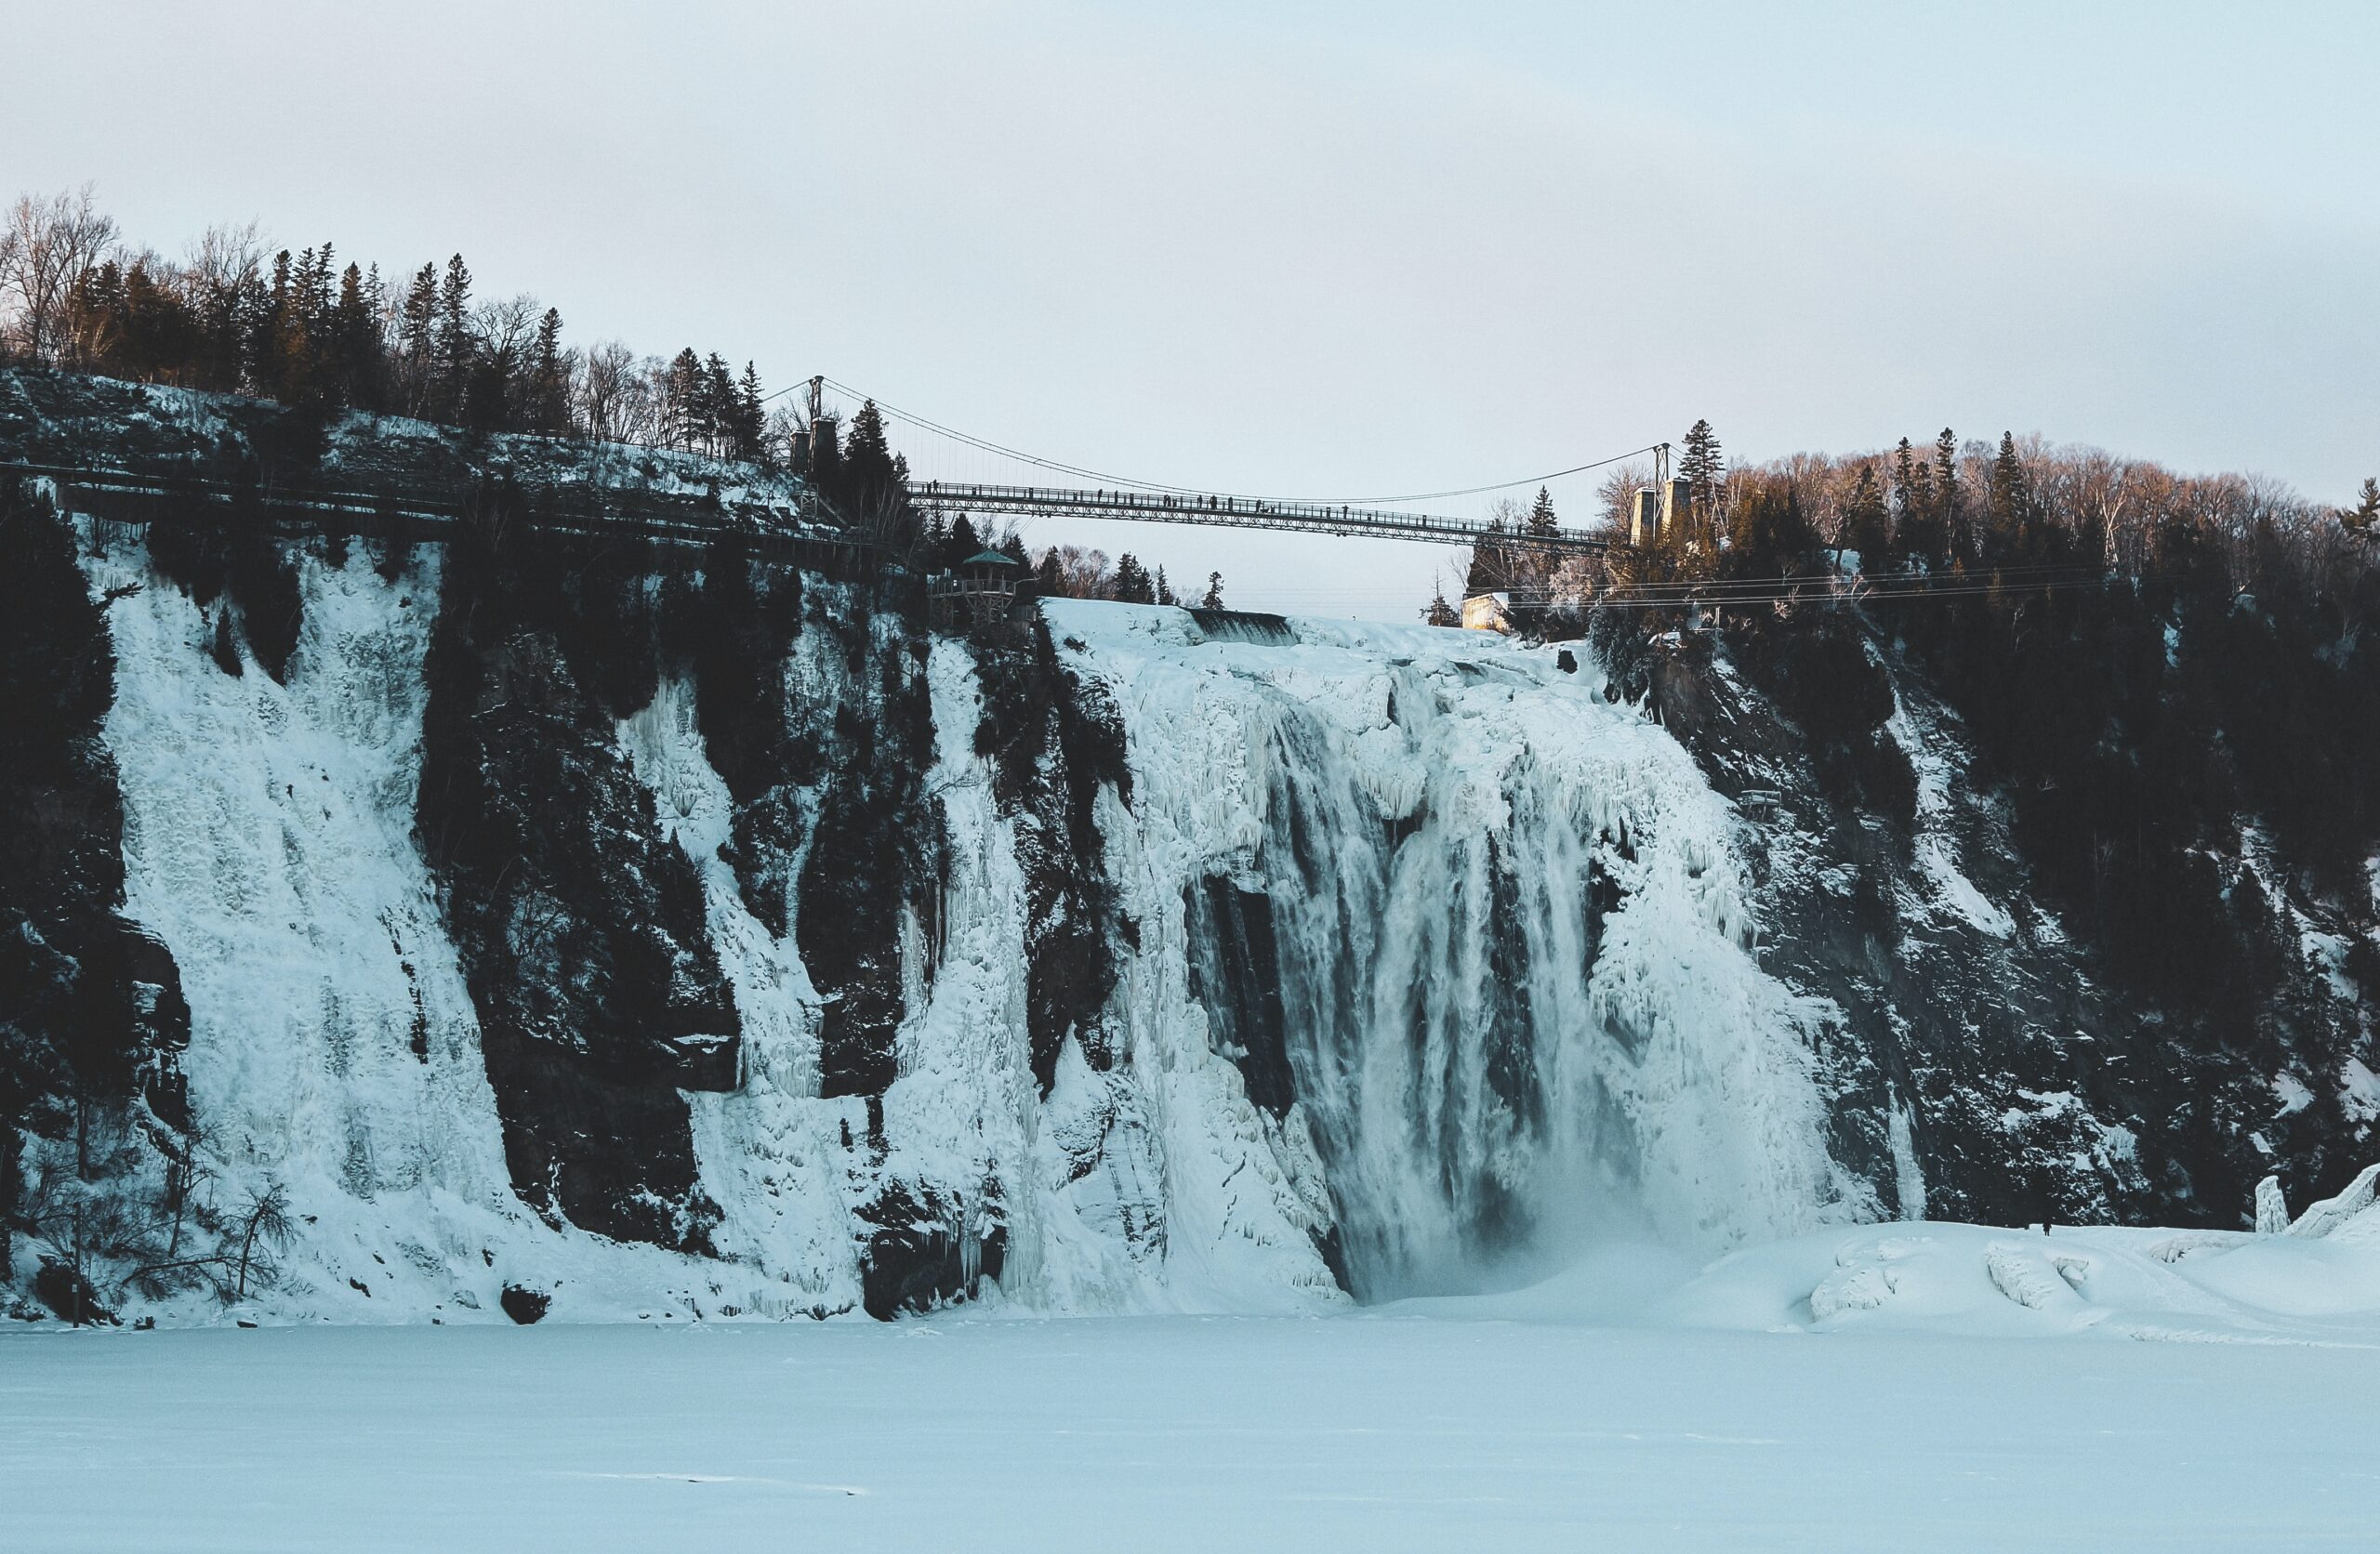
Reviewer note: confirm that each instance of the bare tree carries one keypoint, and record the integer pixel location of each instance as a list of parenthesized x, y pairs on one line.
[(1616, 495), (45, 249), (506, 328), (607, 383), (226, 258), (264, 1225), (618, 398), (1084, 574)]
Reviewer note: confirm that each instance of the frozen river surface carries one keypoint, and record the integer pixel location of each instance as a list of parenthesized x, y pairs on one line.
[(1384, 1432)]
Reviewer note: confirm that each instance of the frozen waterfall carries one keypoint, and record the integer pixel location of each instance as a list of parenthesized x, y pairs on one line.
[(1470, 925), (1431, 963)]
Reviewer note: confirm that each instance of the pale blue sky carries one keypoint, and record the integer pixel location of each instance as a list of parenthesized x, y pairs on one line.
[(1332, 248)]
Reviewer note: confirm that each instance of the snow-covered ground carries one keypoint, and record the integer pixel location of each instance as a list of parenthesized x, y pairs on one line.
[(1173, 1433), (1878, 1388)]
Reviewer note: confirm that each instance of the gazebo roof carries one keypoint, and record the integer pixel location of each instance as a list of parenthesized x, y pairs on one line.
[(988, 559)]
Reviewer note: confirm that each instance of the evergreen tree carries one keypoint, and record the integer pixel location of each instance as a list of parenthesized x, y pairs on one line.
[(872, 478), (454, 352), (2366, 512), (1439, 611), (681, 401), (548, 406), (272, 349), (1214, 599), (356, 340), (1542, 521), (417, 337), (1772, 537), (1053, 582), (1164, 590), (2006, 491), (960, 545), (1917, 524), (751, 417), (1948, 509), (1133, 583), (719, 406), (1704, 470), (317, 320)]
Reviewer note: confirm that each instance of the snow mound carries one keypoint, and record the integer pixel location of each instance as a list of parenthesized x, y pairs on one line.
[(1977, 1279)]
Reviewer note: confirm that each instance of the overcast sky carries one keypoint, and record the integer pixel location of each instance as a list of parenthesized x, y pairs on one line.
[(1329, 249)]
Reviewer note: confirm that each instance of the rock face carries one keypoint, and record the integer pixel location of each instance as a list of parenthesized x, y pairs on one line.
[(579, 925), (607, 931), (1982, 1060)]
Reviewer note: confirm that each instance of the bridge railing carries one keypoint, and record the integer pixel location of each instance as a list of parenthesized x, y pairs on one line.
[(1235, 512)]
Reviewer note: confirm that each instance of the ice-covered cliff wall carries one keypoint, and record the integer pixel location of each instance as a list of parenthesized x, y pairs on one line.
[(1384, 958)]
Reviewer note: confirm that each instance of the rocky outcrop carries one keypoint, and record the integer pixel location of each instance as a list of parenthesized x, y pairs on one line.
[(1054, 740), (581, 927), (1985, 1061)]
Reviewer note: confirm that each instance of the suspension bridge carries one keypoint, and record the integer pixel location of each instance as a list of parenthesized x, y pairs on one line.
[(1013, 488), (1015, 501)]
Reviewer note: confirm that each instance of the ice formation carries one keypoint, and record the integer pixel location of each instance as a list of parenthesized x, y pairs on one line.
[(1433, 959)]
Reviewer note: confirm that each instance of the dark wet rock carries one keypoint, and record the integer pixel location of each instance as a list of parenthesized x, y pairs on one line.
[(524, 1305), (926, 1248), (1056, 741), (1236, 977)]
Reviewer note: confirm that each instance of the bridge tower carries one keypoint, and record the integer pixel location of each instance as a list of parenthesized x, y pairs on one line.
[(1659, 507), (806, 435), (808, 429)]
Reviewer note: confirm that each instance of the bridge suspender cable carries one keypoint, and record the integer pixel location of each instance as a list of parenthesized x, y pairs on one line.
[(989, 446)]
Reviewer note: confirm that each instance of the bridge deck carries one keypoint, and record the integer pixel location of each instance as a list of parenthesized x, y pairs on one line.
[(1229, 512)]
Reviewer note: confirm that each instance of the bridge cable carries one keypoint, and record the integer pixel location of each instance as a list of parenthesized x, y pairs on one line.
[(987, 445)]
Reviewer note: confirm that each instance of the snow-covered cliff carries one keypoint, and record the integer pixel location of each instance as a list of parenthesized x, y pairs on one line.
[(1421, 959), (530, 922)]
